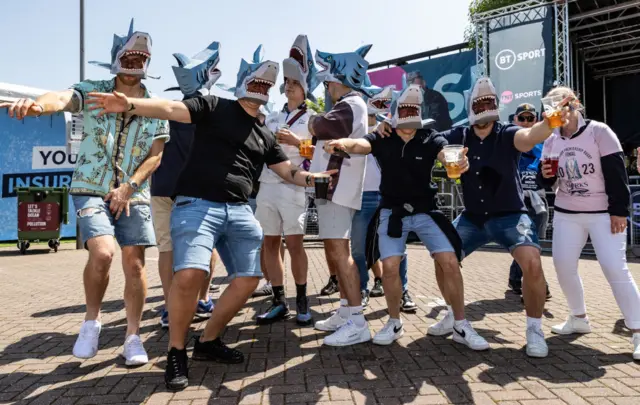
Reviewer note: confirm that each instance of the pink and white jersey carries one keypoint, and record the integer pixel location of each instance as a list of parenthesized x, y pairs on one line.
[(581, 184)]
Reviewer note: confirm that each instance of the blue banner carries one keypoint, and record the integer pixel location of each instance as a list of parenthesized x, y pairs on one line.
[(444, 80), (33, 154)]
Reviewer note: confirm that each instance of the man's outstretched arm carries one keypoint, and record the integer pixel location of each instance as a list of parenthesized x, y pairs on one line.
[(48, 103), (115, 102)]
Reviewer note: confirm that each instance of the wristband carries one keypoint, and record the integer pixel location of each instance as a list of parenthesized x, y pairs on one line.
[(131, 107)]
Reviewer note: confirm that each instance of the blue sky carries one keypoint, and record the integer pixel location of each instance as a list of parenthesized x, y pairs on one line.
[(41, 41)]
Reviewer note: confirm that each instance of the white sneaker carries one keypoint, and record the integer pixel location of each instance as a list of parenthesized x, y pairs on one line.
[(536, 345), (388, 334), (573, 324), (636, 346), (469, 337), (442, 327), (349, 334), (86, 345), (333, 323), (134, 352)]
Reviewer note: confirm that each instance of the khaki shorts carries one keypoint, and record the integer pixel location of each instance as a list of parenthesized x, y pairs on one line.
[(161, 214), (334, 221)]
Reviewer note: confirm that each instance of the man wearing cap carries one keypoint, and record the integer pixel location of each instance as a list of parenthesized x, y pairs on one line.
[(434, 105), (534, 193)]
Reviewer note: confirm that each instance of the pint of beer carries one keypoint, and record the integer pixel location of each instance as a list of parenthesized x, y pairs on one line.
[(452, 158), (553, 110), (306, 151)]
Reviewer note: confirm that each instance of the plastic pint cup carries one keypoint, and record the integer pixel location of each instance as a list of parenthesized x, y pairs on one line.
[(305, 149), (452, 157), (553, 110), (322, 187)]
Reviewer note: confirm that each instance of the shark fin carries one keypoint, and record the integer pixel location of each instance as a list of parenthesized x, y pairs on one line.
[(182, 59), (226, 87), (100, 64), (364, 50), (258, 54), (153, 77), (173, 89), (130, 28), (404, 81)]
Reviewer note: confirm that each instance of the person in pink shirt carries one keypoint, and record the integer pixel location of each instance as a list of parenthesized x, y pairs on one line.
[(592, 200)]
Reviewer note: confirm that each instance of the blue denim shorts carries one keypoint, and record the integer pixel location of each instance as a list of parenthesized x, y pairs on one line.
[(423, 225), (198, 226), (95, 219), (509, 231)]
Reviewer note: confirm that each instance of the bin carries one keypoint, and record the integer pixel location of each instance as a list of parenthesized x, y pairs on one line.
[(41, 213)]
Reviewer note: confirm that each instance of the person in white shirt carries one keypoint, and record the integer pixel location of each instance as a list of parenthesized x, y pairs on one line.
[(280, 206)]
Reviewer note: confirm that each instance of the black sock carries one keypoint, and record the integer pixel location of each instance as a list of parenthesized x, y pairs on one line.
[(278, 293), (334, 279), (377, 279), (301, 290)]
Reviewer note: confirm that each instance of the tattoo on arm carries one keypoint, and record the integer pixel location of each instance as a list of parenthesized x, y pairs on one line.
[(73, 106), (293, 172)]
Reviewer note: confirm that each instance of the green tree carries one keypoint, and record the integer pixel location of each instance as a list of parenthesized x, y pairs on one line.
[(318, 106), (481, 6)]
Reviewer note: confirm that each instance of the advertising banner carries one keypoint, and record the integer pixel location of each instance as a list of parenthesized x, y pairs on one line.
[(521, 61), (444, 80), (34, 153)]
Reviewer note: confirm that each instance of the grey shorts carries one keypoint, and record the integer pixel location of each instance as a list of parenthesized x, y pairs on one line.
[(334, 221)]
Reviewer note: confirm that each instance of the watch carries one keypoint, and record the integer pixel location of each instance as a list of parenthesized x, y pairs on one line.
[(133, 185)]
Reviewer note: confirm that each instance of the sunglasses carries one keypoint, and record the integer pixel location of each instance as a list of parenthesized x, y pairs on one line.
[(528, 118), (326, 85)]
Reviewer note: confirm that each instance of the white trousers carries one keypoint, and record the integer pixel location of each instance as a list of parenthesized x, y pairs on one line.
[(570, 232)]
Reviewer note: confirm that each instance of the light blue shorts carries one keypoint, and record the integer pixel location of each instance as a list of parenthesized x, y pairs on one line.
[(423, 225), (95, 219), (198, 226)]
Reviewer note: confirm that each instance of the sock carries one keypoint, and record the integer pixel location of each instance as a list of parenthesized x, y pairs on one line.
[(343, 311), (459, 324), (301, 290), (396, 322), (278, 293), (334, 279), (357, 316), (534, 322)]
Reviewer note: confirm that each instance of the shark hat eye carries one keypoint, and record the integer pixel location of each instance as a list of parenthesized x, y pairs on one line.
[(209, 64), (329, 58)]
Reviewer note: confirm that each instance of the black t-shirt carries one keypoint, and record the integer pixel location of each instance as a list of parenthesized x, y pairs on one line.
[(406, 167), (228, 152), (492, 185), (176, 151)]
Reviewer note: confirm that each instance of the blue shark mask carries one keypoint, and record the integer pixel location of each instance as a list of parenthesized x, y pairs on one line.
[(482, 102), (406, 106), (197, 72), (261, 74), (134, 43), (299, 66), (349, 68)]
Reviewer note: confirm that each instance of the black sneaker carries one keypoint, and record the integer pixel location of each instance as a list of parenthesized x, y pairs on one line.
[(303, 315), (407, 303), (277, 312), (176, 375), (330, 288), (215, 350), (377, 290), (365, 298), (516, 287)]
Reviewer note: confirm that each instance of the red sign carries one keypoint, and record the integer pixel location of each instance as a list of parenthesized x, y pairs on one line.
[(38, 216)]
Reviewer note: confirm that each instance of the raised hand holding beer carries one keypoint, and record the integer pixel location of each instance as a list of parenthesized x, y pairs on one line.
[(455, 160), (556, 110)]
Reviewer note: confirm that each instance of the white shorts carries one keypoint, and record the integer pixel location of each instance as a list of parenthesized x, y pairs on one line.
[(334, 221), (280, 208), (161, 216)]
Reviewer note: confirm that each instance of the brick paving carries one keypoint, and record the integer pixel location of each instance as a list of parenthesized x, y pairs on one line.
[(41, 308)]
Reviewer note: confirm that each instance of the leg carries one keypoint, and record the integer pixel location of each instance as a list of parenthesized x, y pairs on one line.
[(392, 285), (452, 281), (204, 291), (515, 278), (205, 305), (359, 227), (135, 286), (376, 269), (338, 250), (611, 252), (96, 227), (161, 214)]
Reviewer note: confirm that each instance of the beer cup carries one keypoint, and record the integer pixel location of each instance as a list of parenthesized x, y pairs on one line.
[(553, 110), (322, 187), (305, 149), (552, 159), (452, 157)]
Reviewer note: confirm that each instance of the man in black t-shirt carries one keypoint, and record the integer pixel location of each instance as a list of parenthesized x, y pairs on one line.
[(228, 152), (408, 204)]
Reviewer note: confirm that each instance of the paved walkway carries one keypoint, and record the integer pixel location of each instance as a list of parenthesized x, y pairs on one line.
[(41, 308)]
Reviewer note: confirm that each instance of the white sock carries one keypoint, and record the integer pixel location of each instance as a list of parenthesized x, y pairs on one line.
[(357, 316), (535, 322), (459, 324), (395, 322), (343, 311), (585, 319)]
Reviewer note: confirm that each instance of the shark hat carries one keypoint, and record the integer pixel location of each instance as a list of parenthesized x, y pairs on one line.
[(378, 99), (482, 102), (299, 66), (263, 74), (349, 69), (406, 106), (134, 43), (198, 72)]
